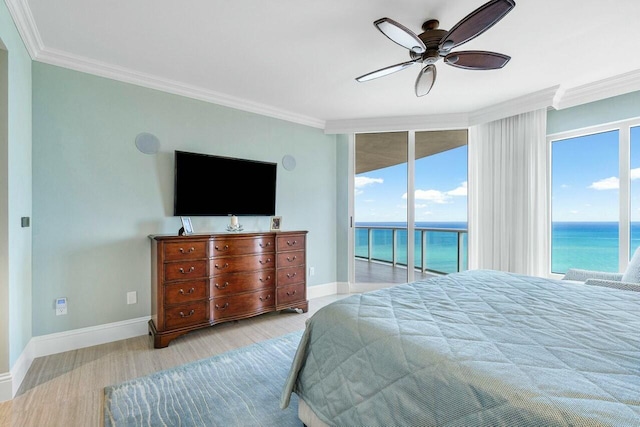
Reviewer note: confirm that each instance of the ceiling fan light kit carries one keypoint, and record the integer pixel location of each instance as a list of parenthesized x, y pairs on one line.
[(433, 43)]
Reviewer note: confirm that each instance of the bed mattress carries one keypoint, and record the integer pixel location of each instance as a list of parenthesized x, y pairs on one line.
[(477, 348)]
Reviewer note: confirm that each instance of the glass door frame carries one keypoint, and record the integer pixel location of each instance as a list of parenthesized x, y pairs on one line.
[(411, 139)]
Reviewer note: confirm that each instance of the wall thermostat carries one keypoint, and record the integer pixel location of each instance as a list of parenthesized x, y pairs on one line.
[(61, 306)]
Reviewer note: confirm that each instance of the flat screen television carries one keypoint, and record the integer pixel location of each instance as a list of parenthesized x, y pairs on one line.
[(207, 185)]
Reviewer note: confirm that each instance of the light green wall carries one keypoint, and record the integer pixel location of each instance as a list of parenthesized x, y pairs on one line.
[(594, 113), (96, 198), (15, 283)]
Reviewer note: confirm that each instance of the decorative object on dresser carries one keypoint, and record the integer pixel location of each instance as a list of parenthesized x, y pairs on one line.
[(276, 223), (204, 279), (186, 228), (234, 225)]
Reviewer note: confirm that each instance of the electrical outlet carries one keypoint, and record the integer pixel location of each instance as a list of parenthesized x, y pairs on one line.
[(312, 271), (61, 306), (132, 297)]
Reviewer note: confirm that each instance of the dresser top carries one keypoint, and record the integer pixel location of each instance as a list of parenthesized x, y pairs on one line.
[(224, 234)]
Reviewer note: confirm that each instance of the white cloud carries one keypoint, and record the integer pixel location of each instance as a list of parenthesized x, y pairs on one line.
[(611, 183), (433, 196), (460, 191), (363, 181), (437, 196)]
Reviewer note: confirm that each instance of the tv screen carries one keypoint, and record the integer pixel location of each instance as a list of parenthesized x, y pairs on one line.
[(207, 185)]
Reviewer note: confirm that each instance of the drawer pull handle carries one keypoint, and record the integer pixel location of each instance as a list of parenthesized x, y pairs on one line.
[(291, 275), (191, 249), (265, 245), (191, 313), (190, 291), (267, 298), (265, 262), (290, 294), (190, 270), (290, 243), (224, 248), (264, 280), (291, 259), (226, 304), (220, 267), (224, 285)]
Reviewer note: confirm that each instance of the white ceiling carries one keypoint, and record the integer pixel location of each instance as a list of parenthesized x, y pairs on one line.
[(298, 60)]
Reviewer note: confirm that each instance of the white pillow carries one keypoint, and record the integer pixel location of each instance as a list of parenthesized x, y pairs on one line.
[(632, 273)]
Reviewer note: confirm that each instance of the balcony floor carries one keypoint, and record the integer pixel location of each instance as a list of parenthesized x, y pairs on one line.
[(378, 272)]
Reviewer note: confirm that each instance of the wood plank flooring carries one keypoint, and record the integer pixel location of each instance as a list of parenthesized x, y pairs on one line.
[(66, 389)]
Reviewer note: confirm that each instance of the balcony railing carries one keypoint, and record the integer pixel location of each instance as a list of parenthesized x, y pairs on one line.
[(437, 250)]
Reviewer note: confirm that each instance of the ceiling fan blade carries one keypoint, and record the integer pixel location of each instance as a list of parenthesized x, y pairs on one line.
[(476, 23), (477, 60), (400, 34), (385, 71), (425, 80)]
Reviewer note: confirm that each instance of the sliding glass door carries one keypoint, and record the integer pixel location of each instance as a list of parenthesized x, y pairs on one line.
[(410, 205), (380, 207), (441, 201)]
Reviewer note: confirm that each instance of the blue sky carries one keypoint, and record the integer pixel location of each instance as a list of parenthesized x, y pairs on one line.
[(584, 184), (585, 178), (441, 190)]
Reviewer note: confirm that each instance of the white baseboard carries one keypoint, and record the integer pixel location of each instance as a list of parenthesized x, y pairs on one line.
[(87, 337), (6, 389), (323, 290), (60, 342), (327, 289), (66, 341)]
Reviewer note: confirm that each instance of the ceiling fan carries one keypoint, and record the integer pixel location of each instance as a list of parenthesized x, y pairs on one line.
[(433, 44)]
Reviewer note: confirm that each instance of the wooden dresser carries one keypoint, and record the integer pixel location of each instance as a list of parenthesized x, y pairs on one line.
[(204, 279)]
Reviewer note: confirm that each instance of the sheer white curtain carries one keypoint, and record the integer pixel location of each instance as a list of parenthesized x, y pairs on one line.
[(508, 195)]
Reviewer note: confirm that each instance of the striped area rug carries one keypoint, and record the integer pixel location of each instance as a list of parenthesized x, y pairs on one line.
[(239, 388)]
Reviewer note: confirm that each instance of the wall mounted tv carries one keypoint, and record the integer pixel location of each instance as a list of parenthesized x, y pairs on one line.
[(207, 185)]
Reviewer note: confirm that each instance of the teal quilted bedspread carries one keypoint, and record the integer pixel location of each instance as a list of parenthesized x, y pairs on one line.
[(477, 348)]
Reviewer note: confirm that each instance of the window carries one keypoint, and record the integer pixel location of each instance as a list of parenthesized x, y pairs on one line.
[(595, 198)]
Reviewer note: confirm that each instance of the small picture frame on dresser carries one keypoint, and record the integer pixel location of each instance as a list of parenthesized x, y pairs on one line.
[(187, 228), (276, 222)]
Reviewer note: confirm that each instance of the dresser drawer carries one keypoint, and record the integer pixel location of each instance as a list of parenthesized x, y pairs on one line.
[(225, 265), (289, 276), (182, 292), (242, 246), (185, 250), (186, 314), (242, 305), (185, 270), (226, 284), (290, 259), (291, 293), (291, 242)]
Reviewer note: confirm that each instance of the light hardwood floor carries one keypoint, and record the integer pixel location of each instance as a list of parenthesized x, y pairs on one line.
[(66, 389)]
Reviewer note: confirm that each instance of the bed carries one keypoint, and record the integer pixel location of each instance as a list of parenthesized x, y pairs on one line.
[(477, 348)]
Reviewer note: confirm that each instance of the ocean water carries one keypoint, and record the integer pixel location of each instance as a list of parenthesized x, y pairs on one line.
[(588, 245)]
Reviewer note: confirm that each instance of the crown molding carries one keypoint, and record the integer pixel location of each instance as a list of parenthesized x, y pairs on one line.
[(602, 89), (405, 123), (114, 72), (26, 25), (23, 18), (558, 97), (533, 101)]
